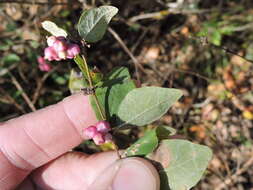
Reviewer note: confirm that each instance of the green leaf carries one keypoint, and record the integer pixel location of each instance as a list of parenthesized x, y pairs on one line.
[(144, 105), (144, 145), (96, 76), (59, 79), (80, 63), (216, 37), (76, 82), (147, 144), (111, 92), (52, 28), (164, 131), (11, 58), (182, 163), (93, 23)]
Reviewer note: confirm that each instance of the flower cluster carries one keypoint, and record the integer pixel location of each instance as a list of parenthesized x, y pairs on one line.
[(59, 49), (99, 132)]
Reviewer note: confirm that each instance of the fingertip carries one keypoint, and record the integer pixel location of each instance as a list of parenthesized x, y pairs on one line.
[(129, 173), (136, 173)]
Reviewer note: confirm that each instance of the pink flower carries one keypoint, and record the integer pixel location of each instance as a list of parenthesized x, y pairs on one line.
[(62, 54), (60, 46), (99, 139), (50, 54), (99, 132), (72, 51), (90, 132), (43, 65), (41, 60), (103, 127), (60, 49)]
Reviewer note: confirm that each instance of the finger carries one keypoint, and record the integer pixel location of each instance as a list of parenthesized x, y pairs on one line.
[(34, 139), (102, 171)]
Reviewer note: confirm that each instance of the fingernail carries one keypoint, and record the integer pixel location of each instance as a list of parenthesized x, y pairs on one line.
[(126, 174)]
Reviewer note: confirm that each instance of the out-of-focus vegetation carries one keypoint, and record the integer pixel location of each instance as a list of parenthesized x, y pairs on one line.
[(202, 47)]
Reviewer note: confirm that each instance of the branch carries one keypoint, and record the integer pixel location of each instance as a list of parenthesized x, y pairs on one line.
[(23, 94), (129, 53), (231, 180)]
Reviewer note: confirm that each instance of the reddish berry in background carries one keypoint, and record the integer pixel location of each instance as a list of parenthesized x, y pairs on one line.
[(43, 65)]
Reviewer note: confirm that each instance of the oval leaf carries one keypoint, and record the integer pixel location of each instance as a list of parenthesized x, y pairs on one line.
[(144, 145), (181, 163), (76, 82), (147, 144), (111, 92), (144, 105), (93, 23), (52, 28)]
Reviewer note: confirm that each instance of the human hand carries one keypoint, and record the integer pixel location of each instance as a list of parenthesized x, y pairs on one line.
[(35, 154)]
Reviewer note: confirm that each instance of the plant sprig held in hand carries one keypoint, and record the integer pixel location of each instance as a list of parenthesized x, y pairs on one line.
[(118, 104)]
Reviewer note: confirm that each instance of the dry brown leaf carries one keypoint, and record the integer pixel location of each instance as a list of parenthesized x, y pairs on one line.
[(14, 11), (152, 54), (30, 35), (216, 163), (199, 130), (216, 90), (185, 31), (236, 60), (33, 10)]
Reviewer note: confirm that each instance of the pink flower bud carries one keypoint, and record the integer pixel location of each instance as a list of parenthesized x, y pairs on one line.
[(50, 54), (41, 60), (103, 127), (99, 139), (45, 67), (90, 132), (108, 138), (51, 40), (60, 46), (72, 51)]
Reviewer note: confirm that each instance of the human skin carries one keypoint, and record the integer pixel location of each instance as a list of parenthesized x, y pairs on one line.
[(35, 153)]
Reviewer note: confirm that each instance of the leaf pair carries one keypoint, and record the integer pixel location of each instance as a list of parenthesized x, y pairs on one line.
[(126, 105), (180, 163)]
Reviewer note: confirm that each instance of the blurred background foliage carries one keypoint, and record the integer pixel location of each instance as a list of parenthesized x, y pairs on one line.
[(203, 47)]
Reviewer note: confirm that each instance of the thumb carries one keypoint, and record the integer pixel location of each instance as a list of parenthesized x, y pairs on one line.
[(101, 171), (129, 173)]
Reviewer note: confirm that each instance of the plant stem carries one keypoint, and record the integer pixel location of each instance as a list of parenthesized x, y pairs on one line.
[(101, 112)]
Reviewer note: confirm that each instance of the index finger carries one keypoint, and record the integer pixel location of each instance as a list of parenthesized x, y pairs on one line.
[(34, 139)]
